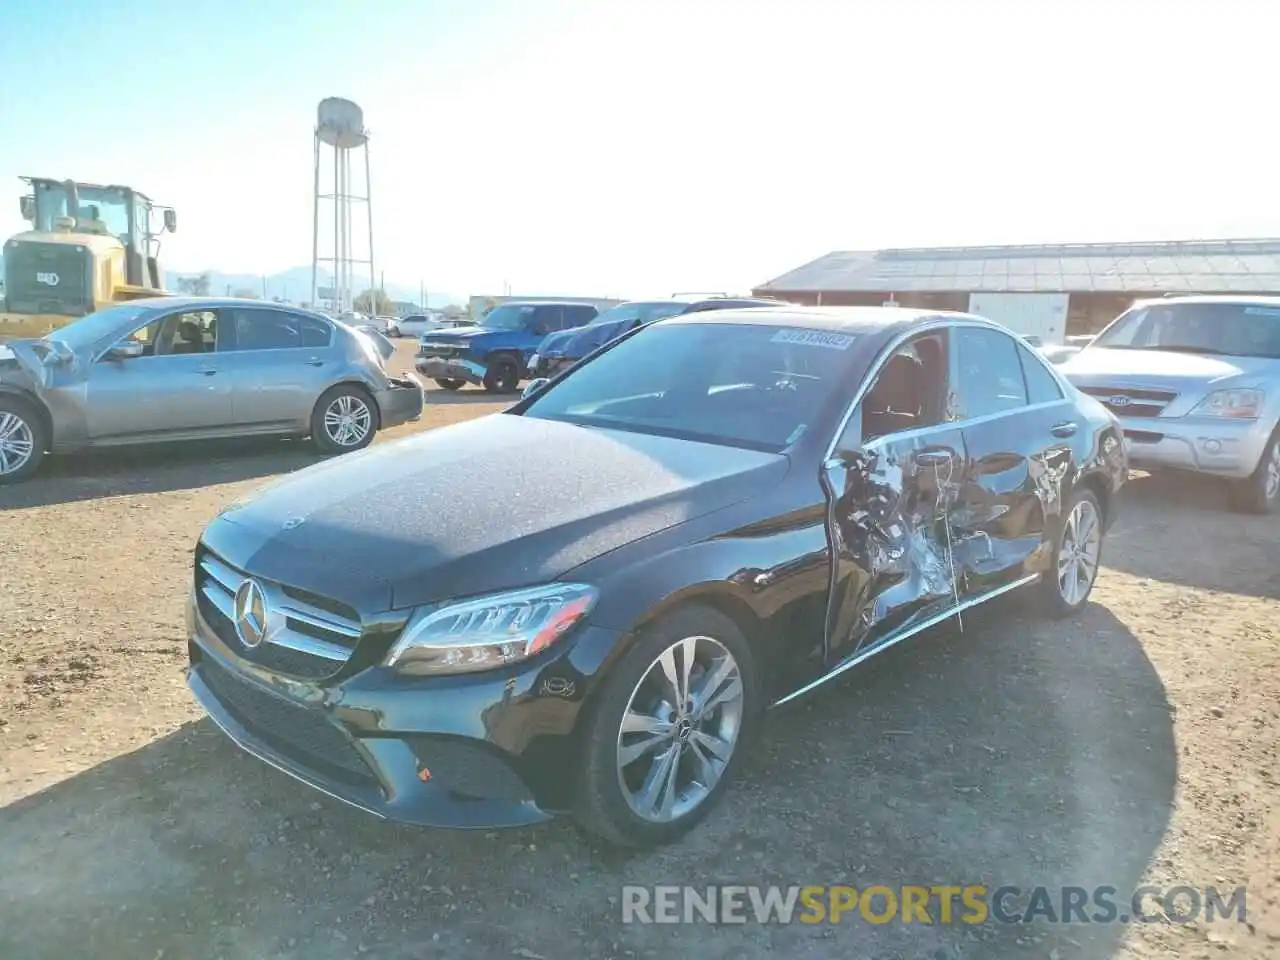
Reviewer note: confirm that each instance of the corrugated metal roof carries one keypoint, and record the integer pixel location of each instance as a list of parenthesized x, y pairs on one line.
[(1182, 266)]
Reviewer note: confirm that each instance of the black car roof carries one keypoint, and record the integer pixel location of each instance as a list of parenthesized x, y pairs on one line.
[(845, 319)]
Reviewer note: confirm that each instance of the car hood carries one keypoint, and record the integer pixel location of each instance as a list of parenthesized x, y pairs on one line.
[(454, 334), (491, 504), (585, 339), (23, 363), (1096, 366)]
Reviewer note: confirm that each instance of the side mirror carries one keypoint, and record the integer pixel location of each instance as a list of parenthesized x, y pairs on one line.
[(28, 206), (171, 220), (534, 386), (125, 351)]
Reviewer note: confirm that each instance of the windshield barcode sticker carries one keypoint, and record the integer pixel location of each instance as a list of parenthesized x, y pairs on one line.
[(1262, 311), (813, 338)]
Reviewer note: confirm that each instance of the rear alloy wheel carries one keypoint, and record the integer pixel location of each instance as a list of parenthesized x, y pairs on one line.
[(1260, 492), (22, 440), (666, 734), (503, 376), (344, 420), (450, 384), (1077, 556)]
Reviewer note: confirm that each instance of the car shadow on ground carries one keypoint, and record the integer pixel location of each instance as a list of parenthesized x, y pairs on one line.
[(468, 394), (1165, 518), (156, 469), (1013, 752)]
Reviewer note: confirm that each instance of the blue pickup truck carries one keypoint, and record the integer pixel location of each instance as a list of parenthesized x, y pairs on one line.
[(496, 352)]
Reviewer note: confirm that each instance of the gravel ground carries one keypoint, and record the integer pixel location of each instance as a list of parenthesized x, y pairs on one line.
[(1135, 744)]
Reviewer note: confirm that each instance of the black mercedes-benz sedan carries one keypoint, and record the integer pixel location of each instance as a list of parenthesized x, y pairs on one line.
[(585, 603)]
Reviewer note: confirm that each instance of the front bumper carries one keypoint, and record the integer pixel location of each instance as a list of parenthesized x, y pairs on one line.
[(552, 366), (451, 368), (366, 739), (1225, 448), (401, 402)]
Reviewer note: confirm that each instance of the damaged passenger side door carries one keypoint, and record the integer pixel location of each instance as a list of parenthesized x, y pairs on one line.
[(891, 485)]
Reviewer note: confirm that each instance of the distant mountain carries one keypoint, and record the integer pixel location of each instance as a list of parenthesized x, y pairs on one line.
[(294, 285)]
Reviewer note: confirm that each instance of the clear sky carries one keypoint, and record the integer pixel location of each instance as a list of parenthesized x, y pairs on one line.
[(638, 148)]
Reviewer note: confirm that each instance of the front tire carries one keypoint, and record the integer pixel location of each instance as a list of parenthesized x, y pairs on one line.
[(1077, 555), (345, 419), (1260, 492), (23, 440), (668, 729), (503, 376), (450, 384)]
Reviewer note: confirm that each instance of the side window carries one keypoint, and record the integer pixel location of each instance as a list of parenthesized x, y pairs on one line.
[(315, 333), (266, 330), (987, 376), (1041, 385), (909, 391), (548, 319), (178, 333), (579, 316)]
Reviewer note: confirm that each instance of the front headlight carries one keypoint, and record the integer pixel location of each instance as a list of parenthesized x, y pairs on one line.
[(490, 631), (1238, 404), (533, 361)]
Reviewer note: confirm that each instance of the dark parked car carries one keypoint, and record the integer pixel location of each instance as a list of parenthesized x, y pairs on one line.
[(495, 352), (586, 602), (560, 351)]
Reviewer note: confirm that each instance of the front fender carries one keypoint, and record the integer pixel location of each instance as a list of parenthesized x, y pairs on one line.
[(770, 577)]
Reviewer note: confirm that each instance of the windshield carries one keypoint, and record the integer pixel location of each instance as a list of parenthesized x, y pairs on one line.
[(101, 210), (743, 385), (507, 317), (1234, 329), (644, 312), (94, 327)]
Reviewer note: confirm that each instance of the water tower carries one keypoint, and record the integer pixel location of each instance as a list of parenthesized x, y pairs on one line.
[(340, 129)]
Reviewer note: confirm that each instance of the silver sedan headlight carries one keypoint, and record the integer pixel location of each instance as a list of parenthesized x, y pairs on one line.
[(481, 633)]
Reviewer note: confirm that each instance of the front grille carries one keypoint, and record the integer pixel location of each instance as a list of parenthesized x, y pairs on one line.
[(30, 269), (1144, 436), (438, 350), (1132, 401), (292, 729), (307, 636)]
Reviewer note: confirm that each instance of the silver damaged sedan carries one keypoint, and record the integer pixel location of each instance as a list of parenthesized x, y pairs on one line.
[(188, 368)]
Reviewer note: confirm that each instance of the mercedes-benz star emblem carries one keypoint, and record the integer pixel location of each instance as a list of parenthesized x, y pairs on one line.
[(251, 613)]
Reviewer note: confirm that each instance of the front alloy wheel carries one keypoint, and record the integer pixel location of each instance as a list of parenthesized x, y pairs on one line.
[(1260, 492), (680, 729), (666, 730), (22, 441)]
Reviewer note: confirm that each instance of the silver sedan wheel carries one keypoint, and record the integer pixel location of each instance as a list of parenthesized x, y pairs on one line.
[(348, 420), (1271, 477), (1078, 552), (680, 729), (17, 443)]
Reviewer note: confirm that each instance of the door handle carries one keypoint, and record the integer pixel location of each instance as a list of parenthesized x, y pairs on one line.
[(315, 362), (206, 373), (1067, 428), (932, 458)]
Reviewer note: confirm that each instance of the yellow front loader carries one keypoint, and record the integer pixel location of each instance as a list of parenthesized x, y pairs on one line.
[(89, 246)]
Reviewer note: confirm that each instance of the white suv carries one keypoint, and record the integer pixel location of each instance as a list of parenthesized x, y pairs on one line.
[(1195, 382)]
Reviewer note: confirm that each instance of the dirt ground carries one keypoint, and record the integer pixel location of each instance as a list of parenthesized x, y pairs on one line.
[(1136, 744)]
